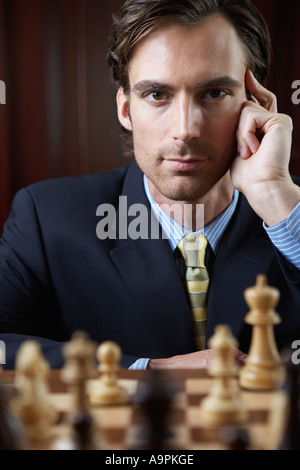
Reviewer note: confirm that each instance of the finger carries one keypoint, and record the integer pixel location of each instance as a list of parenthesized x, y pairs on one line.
[(251, 121), (260, 94), (254, 100), (248, 147), (240, 357)]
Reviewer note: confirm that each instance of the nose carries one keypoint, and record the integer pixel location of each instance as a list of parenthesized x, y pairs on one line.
[(187, 120)]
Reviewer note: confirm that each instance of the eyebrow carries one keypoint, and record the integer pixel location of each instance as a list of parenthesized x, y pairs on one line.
[(210, 83)]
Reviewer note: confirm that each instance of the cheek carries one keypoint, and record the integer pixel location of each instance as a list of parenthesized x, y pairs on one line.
[(148, 131), (225, 125)]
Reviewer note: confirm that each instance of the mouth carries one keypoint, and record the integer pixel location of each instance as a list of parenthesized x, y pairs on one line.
[(184, 165)]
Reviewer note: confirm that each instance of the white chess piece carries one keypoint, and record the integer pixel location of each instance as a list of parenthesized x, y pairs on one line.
[(32, 401), (223, 405), (263, 368), (107, 390)]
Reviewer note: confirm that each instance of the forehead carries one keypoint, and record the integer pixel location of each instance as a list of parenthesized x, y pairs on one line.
[(190, 52)]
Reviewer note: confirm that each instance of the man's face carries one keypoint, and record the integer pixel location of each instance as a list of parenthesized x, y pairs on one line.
[(186, 93)]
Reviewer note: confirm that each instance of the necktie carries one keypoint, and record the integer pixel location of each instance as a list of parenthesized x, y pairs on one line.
[(192, 248)]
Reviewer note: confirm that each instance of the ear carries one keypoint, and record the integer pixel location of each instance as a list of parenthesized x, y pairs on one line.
[(123, 109)]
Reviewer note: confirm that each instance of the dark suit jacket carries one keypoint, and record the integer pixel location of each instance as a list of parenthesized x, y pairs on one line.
[(57, 276)]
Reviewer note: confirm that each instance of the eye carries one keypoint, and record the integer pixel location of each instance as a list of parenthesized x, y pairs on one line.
[(156, 96), (216, 94)]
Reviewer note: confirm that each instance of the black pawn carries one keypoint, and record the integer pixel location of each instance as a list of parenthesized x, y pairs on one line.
[(12, 435), (154, 399), (291, 436), (236, 438), (83, 431)]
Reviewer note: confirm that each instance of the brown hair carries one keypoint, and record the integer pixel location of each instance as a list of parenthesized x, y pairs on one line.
[(139, 18)]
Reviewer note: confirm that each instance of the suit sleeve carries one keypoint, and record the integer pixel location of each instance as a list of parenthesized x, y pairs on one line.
[(28, 307), (285, 237), (28, 304)]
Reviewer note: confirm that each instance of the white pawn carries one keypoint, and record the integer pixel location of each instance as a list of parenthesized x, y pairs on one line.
[(223, 405), (107, 390), (32, 401)]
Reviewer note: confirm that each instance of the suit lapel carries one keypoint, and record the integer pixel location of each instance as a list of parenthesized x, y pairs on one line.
[(149, 272), (244, 252)]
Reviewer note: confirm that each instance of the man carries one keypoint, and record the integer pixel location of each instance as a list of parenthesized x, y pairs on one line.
[(205, 132)]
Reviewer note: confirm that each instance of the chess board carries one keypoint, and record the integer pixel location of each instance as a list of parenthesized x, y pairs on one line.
[(119, 426)]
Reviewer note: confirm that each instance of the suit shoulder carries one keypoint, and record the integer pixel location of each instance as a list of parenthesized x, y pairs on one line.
[(106, 184), (296, 180)]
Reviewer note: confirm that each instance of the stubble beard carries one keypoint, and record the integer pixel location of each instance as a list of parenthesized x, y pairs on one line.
[(189, 187), (184, 187)]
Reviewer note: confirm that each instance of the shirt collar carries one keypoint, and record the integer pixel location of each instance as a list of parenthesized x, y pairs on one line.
[(174, 231)]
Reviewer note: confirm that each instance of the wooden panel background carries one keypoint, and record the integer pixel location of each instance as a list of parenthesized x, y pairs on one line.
[(60, 114)]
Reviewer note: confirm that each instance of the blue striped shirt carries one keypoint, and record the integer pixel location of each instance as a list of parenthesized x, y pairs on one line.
[(285, 236), (175, 231)]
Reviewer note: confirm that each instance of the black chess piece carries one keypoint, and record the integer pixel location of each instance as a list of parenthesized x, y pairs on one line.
[(291, 434), (236, 438), (12, 435), (82, 425), (154, 399)]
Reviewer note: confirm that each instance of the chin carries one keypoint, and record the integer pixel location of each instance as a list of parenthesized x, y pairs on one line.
[(187, 193)]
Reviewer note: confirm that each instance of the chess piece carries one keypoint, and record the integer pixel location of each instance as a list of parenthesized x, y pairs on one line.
[(154, 399), (32, 402), (223, 406), (263, 368), (236, 438), (1, 357), (12, 436), (78, 369), (290, 439), (107, 390)]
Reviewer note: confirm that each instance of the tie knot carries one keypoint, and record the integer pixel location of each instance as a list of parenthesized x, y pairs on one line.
[(192, 247)]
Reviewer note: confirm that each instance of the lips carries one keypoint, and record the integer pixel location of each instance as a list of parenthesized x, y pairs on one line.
[(184, 165)]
